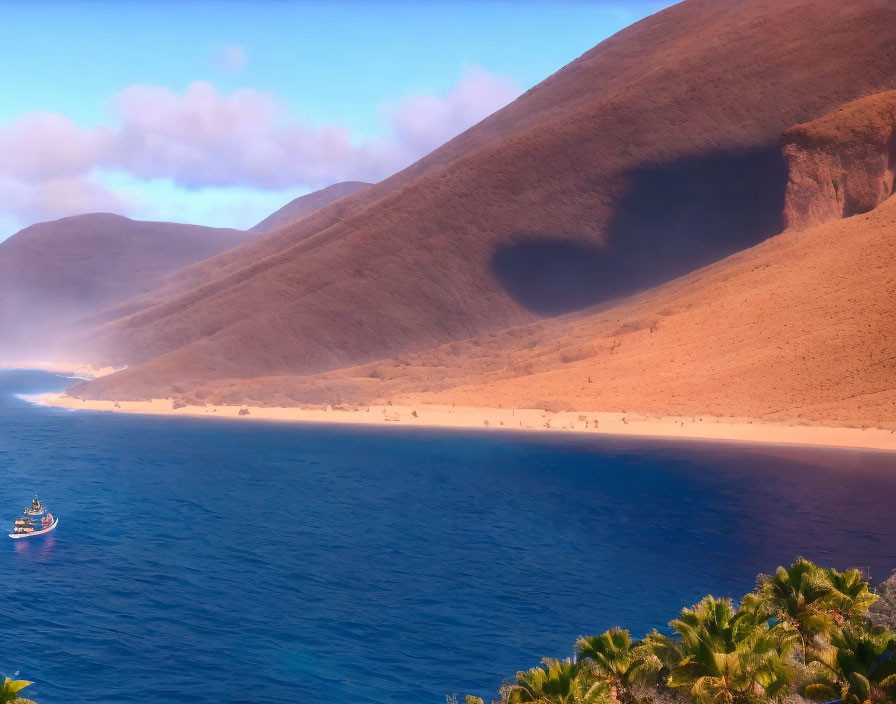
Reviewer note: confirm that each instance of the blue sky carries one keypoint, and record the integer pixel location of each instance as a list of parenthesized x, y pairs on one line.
[(97, 105)]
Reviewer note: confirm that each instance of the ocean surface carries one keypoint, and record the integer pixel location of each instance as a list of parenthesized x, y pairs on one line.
[(237, 561)]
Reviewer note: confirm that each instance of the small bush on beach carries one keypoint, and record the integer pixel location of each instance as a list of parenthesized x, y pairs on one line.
[(805, 634)]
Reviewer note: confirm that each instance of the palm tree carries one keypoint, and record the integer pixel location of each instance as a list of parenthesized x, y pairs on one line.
[(859, 666), (730, 657), (667, 650), (9, 693), (615, 660), (801, 596), (557, 682), (851, 596)]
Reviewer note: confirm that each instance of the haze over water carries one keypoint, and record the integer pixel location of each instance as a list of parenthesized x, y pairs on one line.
[(234, 561)]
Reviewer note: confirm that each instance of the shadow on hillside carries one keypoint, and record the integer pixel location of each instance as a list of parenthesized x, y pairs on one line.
[(674, 218)]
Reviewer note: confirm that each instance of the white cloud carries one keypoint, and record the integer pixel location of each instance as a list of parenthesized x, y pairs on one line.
[(43, 146), (420, 124), (229, 57), (26, 202), (202, 139)]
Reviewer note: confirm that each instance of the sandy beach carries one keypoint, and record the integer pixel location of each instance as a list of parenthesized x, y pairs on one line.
[(526, 419)]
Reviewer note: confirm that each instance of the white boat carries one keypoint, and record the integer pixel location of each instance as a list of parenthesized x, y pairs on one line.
[(26, 533), (36, 508)]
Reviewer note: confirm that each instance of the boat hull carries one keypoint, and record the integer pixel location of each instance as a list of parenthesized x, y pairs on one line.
[(52, 526), (31, 513)]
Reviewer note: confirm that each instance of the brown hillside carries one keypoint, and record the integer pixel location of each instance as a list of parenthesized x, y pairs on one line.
[(307, 204), (842, 164), (653, 154), (253, 249), (52, 273), (799, 328)]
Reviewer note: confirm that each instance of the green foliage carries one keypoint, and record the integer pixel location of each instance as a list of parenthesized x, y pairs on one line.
[(9, 693), (470, 699), (667, 650), (851, 597), (615, 660), (720, 654), (557, 682), (730, 656), (801, 596), (814, 601), (859, 666)]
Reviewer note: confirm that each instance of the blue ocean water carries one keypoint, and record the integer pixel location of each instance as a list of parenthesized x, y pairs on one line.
[(236, 561)]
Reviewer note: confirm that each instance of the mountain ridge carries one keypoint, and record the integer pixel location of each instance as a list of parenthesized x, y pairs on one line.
[(52, 273), (654, 153), (307, 204)]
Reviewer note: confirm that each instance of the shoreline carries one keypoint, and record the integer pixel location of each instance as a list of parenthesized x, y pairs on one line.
[(520, 419), (73, 370)]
